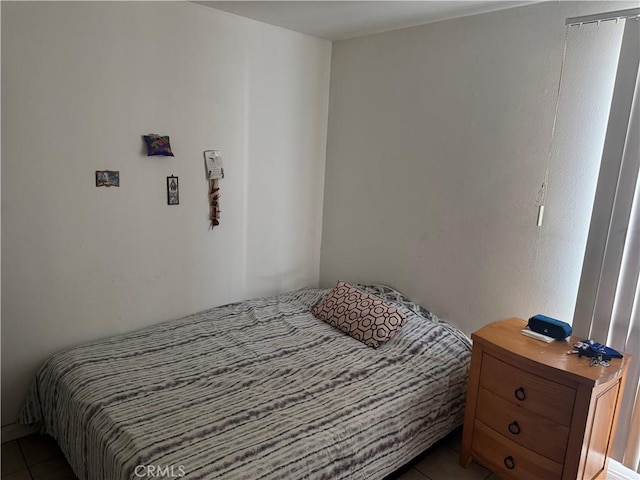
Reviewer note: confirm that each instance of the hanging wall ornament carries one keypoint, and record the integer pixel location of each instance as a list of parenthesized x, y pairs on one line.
[(158, 145), (214, 208), (215, 172), (173, 193)]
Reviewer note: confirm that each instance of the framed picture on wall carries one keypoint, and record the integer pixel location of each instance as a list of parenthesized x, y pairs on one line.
[(173, 194), (107, 178)]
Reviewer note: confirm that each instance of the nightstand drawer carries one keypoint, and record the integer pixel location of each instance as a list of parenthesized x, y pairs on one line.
[(531, 392), (507, 458), (532, 431)]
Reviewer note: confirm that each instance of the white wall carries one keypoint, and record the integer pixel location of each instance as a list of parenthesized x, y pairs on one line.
[(81, 82), (437, 147)]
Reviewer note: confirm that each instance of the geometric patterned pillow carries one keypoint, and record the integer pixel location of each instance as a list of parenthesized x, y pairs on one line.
[(365, 317)]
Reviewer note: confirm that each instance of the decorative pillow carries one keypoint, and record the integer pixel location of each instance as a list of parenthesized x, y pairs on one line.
[(365, 317), (157, 145)]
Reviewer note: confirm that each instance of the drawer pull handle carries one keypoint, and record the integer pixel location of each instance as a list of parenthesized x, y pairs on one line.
[(519, 393), (509, 463), (514, 428)]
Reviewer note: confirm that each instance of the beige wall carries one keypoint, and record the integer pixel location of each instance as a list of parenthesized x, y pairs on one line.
[(437, 147), (81, 82)]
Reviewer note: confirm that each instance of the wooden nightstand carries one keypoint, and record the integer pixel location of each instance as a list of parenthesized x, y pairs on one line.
[(534, 412)]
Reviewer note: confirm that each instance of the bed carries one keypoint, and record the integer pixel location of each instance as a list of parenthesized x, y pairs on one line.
[(254, 390)]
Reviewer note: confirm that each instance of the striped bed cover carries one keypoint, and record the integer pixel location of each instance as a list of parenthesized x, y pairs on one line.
[(254, 390)]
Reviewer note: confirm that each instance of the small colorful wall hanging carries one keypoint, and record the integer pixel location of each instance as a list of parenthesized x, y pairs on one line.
[(173, 193), (215, 172), (107, 178), (158, 145)]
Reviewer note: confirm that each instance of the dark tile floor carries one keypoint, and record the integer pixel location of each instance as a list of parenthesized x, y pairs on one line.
[(38, 457)]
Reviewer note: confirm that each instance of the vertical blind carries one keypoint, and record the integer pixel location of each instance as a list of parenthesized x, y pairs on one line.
[(608, 303)]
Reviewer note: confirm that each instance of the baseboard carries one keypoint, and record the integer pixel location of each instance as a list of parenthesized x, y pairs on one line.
[(617, 471), (15, 430)]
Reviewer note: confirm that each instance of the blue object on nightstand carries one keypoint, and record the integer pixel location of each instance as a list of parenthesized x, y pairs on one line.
[(550, 327)]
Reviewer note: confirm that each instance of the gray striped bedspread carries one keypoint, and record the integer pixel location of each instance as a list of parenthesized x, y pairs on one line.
[(257, 390)]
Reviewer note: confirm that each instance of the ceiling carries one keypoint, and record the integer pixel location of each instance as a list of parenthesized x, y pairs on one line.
[(338, 20)]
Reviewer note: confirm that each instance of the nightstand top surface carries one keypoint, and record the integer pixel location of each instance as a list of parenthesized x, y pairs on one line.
[(505, 337)]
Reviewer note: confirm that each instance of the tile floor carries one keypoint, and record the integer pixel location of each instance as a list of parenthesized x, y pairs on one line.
[(38, 457), (441, 463)]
